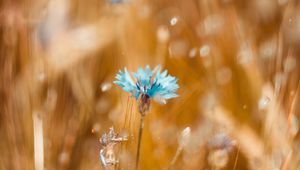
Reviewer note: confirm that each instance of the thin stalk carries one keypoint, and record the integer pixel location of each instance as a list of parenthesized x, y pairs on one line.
[(139, 142), (38, 142), (178, 151), (236, 158)]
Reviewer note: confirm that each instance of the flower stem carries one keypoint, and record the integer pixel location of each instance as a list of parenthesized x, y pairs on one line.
[(139, 141), (178, 151), (236, 158)]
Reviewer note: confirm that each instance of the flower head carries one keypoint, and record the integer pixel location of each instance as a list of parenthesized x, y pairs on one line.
[(148, 84)]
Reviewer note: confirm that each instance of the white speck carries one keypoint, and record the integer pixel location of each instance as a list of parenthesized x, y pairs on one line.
[(204, 51), (193, 52), (263, 102), (174, 21), (163, 34), (105, 86), (185, 137)]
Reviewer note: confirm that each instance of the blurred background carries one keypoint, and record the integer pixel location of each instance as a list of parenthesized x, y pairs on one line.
[(237, 62)]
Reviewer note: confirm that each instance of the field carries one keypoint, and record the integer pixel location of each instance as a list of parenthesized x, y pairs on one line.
[(238, 68)]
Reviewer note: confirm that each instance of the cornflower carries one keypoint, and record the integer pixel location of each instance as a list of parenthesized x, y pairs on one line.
[(145, 85)]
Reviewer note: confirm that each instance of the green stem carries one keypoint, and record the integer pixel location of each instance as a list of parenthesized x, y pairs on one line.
[(139, 142)]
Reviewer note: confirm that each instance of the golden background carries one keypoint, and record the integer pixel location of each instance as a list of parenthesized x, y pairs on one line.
[(237, 62)]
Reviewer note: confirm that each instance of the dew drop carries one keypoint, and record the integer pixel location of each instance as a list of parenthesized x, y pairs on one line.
[(173, 21), (193, 53), (105, 86), (263, 102), (204, 51), (163, 34)]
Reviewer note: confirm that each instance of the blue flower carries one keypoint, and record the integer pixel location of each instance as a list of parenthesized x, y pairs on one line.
[(150, 83)]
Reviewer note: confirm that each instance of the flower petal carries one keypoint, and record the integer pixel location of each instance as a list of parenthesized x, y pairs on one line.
[(124, 80)]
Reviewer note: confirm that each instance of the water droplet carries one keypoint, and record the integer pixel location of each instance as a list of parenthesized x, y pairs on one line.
[(105, 86), (263, 102), (204, 51), (163, 34), (173, 21), (193, 53)]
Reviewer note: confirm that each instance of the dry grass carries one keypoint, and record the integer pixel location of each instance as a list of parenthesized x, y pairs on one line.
[(238, 64)]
